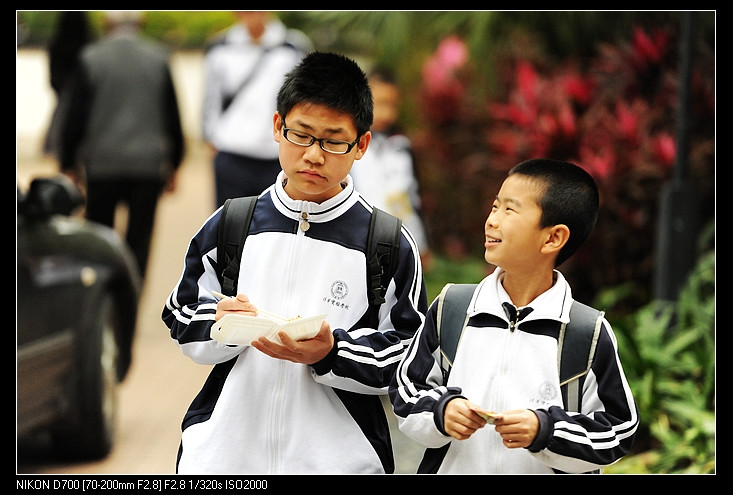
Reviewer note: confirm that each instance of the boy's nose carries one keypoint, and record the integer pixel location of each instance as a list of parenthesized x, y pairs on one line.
[(314, 154)]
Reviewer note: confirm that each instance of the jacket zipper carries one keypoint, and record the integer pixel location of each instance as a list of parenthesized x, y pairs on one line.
[(304, 225), (513, 324)]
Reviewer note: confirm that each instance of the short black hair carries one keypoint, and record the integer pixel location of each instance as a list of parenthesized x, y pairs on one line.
[(569, 196), (329, 79)]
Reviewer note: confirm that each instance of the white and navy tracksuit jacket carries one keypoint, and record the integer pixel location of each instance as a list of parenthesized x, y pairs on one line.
[(256, 414), (500, 370)]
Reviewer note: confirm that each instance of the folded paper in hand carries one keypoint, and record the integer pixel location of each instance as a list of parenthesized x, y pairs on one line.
[(236, 329), (489, 416)]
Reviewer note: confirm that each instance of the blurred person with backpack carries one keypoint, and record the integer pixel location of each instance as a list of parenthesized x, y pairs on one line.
[(244, 68)]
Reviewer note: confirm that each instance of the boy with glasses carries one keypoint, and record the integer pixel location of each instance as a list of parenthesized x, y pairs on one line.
[(308, 406)]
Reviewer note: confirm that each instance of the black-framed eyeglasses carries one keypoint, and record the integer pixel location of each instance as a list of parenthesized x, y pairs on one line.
[(300, 138)]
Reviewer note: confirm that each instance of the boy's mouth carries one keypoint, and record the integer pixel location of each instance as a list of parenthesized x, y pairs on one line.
[(311, 174)]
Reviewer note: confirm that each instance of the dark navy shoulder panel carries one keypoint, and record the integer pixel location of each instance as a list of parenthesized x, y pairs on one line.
[(482, 320), (349, 230), (549, 328), (267, 218)]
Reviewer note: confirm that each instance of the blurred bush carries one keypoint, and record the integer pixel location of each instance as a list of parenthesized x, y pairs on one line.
[(614, 114), (668, 353), (178, 29)]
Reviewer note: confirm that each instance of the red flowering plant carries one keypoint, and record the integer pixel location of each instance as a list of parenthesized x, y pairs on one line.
[(617, 118), (450, 151), (444, 87)]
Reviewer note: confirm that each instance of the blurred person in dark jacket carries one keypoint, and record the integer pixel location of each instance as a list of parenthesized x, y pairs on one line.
[(122, 137), (73, 32)]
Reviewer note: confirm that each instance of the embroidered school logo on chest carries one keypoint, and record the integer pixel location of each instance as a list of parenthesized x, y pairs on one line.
[(339, 289), (545, 394), (547, 391)]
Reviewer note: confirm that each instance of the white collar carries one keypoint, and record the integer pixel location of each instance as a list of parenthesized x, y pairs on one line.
[(553, 304), (317, 212)]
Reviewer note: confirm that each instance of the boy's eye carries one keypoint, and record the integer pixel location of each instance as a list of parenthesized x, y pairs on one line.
[(497, 207)]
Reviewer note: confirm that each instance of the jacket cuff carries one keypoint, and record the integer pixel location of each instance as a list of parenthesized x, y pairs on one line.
[(441, 404), (544, 433), (326, 364)]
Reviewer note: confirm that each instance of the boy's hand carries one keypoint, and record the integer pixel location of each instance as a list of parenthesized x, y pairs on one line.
[(518, 428), (237, 305), (461, 420), (298, 351)]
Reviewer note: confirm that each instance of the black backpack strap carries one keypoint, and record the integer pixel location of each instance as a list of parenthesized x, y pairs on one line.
[(453, 302), (236, 215), (383, 244), (228, 99), (576, 350)]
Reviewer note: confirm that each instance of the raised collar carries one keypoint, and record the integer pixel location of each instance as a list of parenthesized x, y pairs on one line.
[(317, 212), (554, 304)]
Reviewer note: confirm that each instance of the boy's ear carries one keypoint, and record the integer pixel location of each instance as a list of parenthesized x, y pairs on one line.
[(557, 236), (276, 124), (362, 145)]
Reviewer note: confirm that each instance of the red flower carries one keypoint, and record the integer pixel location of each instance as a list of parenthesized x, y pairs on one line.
[(506, 142), (646, 46), (442, 86), (578, 88), (528, 82), (566, 119), (452, 53), (665, 148), (628, 122), (651, 48), (599, 163)]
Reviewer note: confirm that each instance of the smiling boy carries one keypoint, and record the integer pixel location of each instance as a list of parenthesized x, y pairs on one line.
[(507, 357), (309, 406)]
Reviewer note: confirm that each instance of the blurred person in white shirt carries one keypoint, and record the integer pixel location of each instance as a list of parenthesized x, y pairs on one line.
[(385, 176), (244, 68)]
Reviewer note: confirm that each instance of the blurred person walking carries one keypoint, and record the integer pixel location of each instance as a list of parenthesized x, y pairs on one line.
[(386, 176), (73, 32), (244, 68), (122, 135)]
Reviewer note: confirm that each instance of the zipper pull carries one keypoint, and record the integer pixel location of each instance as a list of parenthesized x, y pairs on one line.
[(513, 315), (304, 225)]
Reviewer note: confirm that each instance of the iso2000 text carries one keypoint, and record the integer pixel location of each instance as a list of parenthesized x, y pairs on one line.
[(245, 484)]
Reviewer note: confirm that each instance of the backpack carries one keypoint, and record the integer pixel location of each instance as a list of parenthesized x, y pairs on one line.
[(576, 344), (383, 243)]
